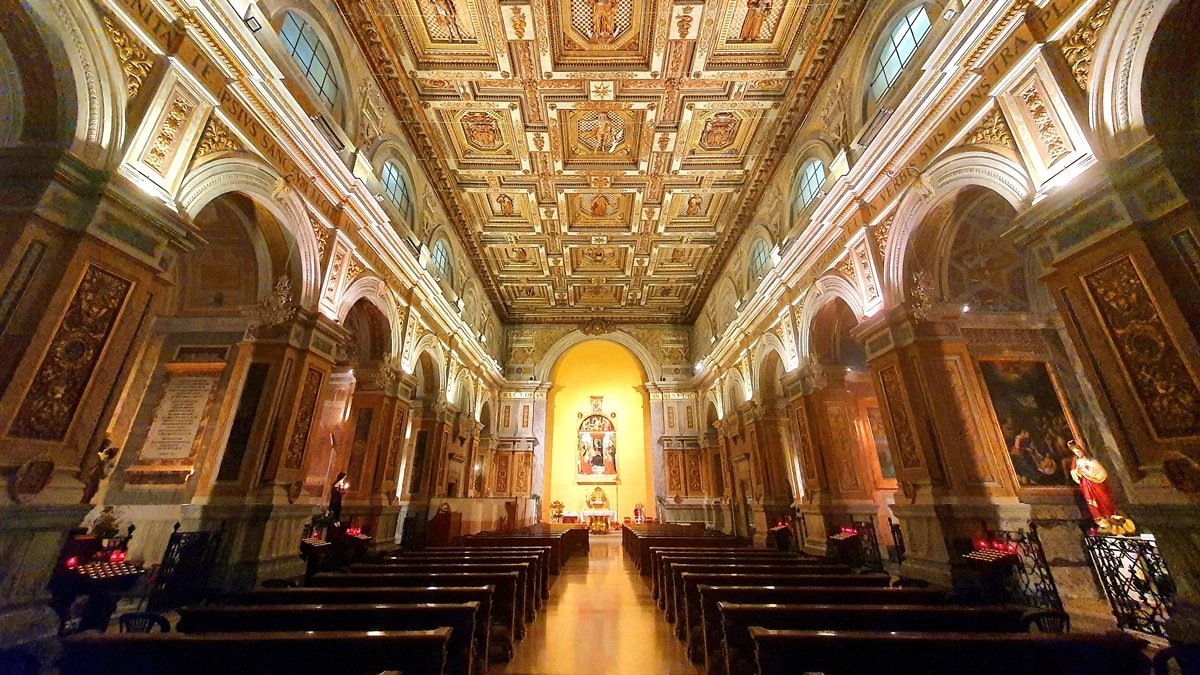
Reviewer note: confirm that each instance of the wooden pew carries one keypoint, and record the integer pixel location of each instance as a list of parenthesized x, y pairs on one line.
[(658, 553), (537, 572), (507, 604), (542, 552), (485, 540), (390, 596), (787, 652), (342, 652), (736, 620), (538, 563), (676, 588), (460, 618), (761, 593), (527, 588), (672, 572), (639, 549)]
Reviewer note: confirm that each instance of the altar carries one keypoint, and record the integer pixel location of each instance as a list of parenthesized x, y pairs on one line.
[(599, 520)]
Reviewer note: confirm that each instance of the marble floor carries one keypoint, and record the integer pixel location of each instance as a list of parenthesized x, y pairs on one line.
[(600, 619)]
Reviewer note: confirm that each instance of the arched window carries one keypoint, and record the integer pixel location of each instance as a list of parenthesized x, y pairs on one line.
[(898, 49), (441, 260), (812, 177), (760, 257), (310, 54), (395, 186)]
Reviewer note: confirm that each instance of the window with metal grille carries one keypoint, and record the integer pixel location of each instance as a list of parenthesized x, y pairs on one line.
[(395, 186), (760, 257), (812, 177), (441, 260), (310, 54), (898, 49)]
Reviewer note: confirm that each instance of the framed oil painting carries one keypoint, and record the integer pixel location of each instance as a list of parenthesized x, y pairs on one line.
[(1035, 426), (597, 460)]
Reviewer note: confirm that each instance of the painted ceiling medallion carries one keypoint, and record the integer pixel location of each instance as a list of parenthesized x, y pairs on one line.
[(483, 132), (720, 131)]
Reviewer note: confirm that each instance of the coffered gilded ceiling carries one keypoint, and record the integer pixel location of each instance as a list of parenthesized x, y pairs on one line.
[(600, 157)]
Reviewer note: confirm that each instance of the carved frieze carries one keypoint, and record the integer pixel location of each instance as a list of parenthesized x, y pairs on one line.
[(1152, 363), (1044, 124), (74, 351)]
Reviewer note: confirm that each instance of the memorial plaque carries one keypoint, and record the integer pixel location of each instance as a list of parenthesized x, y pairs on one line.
[(178, 417)]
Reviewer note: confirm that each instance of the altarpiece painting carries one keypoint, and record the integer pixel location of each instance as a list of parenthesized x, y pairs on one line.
[(597, 452), (1036, 429)]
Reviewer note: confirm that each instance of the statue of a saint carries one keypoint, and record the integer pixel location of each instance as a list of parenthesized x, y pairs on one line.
[(100, 468), (756, 12), (1093, 483)]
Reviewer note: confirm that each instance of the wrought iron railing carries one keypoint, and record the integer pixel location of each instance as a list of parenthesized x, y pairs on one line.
[(1135, 580), (898, 541), (1031, 581), (868, 541)]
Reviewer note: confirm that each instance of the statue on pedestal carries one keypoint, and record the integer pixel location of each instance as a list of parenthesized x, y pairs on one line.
[(1093, 483)]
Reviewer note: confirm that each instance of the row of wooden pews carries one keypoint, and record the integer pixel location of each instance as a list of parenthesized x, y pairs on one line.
[(743, 611), (451, 611)]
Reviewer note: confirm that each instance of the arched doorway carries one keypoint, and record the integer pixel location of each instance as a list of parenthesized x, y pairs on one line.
[(598, 431)]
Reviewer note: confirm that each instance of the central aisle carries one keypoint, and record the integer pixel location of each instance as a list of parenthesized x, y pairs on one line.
[(600, 619)]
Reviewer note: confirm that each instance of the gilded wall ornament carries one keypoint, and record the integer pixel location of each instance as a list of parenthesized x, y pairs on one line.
[(279, 307), (216, 138), (1168, 393), (1079, 45), (1047, 129), (71, 358), (165, 139), (597, 326), (135, 60), (992, 130)]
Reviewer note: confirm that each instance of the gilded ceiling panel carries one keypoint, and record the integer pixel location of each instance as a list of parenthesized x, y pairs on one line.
[(600, 156)]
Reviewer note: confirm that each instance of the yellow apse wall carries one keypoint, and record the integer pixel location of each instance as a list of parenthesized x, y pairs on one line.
[(598, 368)]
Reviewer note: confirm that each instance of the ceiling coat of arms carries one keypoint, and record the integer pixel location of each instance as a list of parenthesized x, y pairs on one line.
[(600, 153)]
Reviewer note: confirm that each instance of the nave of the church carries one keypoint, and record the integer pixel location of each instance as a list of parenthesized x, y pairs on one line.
[(308, 300), (601, 618)]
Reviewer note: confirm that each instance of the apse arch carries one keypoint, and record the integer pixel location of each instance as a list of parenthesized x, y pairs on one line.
[(945, 177), (255, 179), (651, 370), (826, 289), (599, 429)]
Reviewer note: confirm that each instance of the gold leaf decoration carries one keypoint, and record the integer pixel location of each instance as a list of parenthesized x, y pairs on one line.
[(1047, 128), (180, 108), (992, 130), (216, 138), (135, 60), (1080, 44)]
